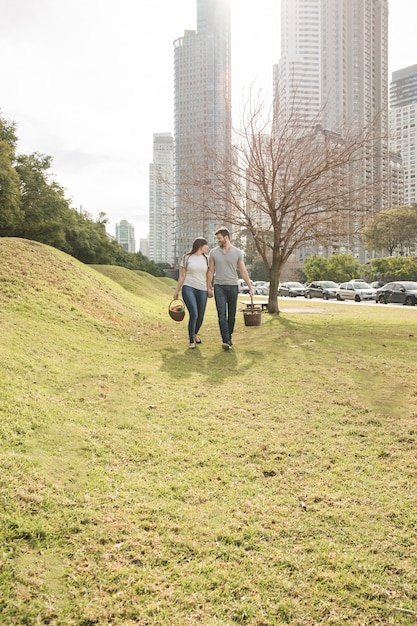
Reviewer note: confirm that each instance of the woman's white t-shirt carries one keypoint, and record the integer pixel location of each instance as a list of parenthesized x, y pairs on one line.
[(196, 269)]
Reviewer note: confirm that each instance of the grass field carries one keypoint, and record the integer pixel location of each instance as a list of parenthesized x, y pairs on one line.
[(144, 483)]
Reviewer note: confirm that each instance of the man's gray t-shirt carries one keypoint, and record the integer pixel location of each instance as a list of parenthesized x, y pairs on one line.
[(225, 265)]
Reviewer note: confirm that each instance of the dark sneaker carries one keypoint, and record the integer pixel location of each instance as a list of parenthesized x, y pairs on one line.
[(226, 346)]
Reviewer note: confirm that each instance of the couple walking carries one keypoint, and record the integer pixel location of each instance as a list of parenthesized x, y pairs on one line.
[(201, 271)]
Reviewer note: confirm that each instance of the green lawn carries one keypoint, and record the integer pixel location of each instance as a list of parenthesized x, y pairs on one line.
[(144, 483)]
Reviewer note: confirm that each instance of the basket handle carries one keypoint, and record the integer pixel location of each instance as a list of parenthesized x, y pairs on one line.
[(175, 300)]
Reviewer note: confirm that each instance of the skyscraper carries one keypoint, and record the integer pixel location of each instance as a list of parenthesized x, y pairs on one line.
[(202, 119), (354, 61), (403, 114), (334, 60), (334, 68), (161, 242), (297, 75), (125, 236)]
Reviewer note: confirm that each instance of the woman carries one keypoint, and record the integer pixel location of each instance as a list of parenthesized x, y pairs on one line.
[(193, 281)]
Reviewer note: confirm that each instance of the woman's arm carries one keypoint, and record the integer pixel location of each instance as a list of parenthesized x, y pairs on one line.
[(209, 278), (180, 282)]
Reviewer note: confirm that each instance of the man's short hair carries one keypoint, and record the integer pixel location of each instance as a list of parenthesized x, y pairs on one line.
[(223, 231)]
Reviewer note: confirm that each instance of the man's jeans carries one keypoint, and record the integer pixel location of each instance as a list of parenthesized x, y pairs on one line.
[(226, 304)]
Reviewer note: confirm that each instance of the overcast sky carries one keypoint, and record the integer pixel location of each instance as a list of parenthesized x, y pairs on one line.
[(88, 82)]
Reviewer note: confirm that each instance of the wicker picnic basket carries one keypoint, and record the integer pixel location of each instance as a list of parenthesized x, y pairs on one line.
[(176, 310), (252, 315)]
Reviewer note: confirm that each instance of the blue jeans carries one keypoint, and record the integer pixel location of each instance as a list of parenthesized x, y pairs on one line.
[(195, 301), (226, 304)]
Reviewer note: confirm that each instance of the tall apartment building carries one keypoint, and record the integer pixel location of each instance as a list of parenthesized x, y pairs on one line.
[(396, 180), (297, 75), (161, 240), (334, 62), (403, 114), (202, 118), (354, 62), (144, 246), (125, 236)]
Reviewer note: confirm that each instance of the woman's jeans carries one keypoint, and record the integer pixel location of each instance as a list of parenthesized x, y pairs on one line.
[(226, 304), (195, 301)]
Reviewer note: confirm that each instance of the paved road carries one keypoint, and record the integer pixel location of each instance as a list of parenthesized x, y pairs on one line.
[(343, 302)]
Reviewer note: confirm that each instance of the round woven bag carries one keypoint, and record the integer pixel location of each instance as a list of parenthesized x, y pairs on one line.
[(176, 310)]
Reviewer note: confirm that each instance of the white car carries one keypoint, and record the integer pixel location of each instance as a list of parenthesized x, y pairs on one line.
[(261, 287), (356, 290), (243, 288)]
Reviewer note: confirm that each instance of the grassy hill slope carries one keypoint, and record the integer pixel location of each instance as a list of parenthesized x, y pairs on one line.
[(139, 283), (60, 316), (144, 483)]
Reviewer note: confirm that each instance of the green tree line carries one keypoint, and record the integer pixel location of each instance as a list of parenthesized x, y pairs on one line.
[(34, 206), (392, 230), (343, 267)]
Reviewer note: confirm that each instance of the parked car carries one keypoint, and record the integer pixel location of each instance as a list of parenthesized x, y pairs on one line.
[(261, 287), (292, 289), (321, 289), (243, 288), (401, 291), (265, 289), (356, 290), (377, 284)]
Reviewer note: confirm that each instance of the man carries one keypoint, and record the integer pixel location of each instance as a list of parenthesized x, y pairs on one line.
[(224, 261)]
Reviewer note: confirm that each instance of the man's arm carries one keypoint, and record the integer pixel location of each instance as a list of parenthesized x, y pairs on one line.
[(244, 273)]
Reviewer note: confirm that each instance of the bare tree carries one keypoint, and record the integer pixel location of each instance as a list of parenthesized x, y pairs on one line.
[(289, 183)]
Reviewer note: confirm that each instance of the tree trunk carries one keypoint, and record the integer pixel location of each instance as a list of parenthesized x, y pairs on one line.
[(274, 276)]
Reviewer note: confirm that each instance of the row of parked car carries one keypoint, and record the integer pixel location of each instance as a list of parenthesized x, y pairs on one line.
[(401, 291), (260, 287)]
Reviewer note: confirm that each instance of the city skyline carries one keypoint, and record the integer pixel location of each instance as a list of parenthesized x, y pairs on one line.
[(106, 86)]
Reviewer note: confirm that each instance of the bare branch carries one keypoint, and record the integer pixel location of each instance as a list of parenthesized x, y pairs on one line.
[(289, 182)]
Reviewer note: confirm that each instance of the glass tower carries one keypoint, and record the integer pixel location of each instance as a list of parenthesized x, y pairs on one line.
[(125, 236), (202, 121)]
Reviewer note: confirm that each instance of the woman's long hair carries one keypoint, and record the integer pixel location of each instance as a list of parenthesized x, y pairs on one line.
[(197, 244)]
